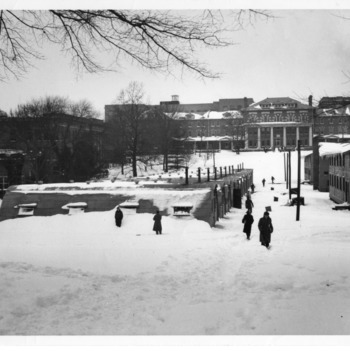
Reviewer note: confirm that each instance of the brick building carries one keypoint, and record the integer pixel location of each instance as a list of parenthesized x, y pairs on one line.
[(202, 126), (48, 144), (201, 108), (332, 116)]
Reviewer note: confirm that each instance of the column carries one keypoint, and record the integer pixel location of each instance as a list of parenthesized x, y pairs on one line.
[(271, 137), (231, 145), (207, 145), (219, 144), (194, 147), (284, 137), (259, 138), (310, 136), (296, 143), (246, 139)]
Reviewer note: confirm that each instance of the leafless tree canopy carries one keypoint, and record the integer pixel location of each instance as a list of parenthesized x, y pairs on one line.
[(156, 40), (55, 104)]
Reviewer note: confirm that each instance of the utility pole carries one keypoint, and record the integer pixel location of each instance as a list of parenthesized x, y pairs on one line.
[(298, 192), (290, 174), (285, 169)]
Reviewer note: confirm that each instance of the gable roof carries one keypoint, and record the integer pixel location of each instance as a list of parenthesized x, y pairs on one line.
[(282, 103)]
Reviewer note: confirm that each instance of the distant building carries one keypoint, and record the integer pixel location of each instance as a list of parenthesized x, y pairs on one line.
[(332, 116), (201, 108), (202, 126), (338, 157), (212, 130), (320, 163), (278, 123), (40, 140)]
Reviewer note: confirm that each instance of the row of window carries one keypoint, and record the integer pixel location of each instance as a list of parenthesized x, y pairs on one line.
[(279, 105), (214, 132), (332, 129), (278, 117), (337, 182), (337, 160)]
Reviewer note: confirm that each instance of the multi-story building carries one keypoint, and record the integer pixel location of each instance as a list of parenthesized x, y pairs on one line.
[(204, 126), (339, 173), (49, 145), (201, 108), (332, 116), (319, 163), (212, 130), (278, 123)]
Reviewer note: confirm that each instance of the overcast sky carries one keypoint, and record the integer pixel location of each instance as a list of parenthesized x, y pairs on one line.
[(298, 53)]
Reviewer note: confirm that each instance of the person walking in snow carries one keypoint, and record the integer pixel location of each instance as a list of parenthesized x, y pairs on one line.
[(266, 228), (248, 220), (273, 180), (252, 187), (263, 182), (157, 227), (249, 204), (118, 217)]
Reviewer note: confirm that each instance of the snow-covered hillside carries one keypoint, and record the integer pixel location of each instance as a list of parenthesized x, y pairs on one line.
[(81, 275)]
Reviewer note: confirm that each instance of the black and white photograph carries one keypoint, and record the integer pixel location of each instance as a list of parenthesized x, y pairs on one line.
[(175, 174)]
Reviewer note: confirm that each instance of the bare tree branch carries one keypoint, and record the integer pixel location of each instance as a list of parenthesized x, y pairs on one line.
[(156, 40)]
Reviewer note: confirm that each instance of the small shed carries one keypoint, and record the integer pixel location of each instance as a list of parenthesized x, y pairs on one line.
[(182, 208), (25, 210), (75, 207)]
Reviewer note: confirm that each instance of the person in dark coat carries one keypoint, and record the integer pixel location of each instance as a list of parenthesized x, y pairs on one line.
[(266, 228), (157, 227), (263, 181), (248, 221), (252, 187), (273, 180), (249, 204), (118, 217)]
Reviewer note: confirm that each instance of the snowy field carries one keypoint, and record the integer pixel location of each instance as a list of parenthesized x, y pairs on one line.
[(81, 275)]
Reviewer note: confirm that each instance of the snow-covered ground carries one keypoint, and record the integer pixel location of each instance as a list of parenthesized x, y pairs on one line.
[(81, 275)]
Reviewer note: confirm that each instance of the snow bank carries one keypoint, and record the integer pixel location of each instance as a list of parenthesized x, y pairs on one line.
[(81, 275)]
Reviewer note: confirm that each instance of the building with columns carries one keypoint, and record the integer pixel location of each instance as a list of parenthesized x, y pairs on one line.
[(278, 123)]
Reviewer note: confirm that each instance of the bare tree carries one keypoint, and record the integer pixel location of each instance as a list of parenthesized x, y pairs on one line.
[(156, 40), (133, 134), (54, 140), (83, 108), (55, 104)]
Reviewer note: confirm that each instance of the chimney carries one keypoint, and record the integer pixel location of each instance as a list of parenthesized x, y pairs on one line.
[(310, 100), (245, 104), (175, 98)]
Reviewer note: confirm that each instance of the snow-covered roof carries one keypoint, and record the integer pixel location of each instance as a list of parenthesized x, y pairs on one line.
[(10, 151), (208, 115), (129, 204), (224, 114), (336, 136), (278, 103), (182, 204), (74, 205), (341, 111), (32, 204), (329, 149)]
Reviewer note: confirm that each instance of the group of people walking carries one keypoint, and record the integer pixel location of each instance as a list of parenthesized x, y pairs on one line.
[(264, 225), (157, 226)]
